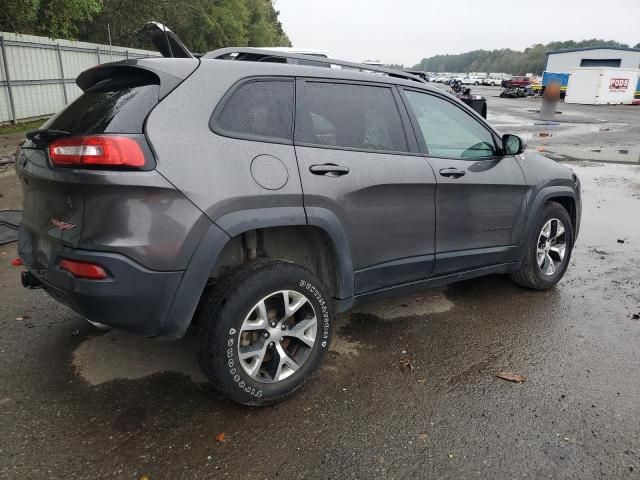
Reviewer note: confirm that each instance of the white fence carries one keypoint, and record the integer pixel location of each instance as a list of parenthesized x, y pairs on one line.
[(37, 74)]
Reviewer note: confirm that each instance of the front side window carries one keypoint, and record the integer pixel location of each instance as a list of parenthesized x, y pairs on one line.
[(260, 109), (350, 116), (448, 131)]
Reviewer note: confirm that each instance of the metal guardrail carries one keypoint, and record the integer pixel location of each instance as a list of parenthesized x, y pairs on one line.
[(18, 56)]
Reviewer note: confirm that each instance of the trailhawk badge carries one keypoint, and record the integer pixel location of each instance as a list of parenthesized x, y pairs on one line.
[(59, 224)]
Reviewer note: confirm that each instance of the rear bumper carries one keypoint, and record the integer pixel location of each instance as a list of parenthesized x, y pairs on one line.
[(133, 298)]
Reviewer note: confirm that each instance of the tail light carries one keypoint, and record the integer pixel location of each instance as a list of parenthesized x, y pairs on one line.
[(90, 271), (96, 150)]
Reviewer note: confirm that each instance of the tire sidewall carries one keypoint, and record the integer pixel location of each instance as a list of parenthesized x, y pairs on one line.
[(550, 211), (261, 283)]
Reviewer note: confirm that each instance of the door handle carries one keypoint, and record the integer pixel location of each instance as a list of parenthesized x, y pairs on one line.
[(329, 169), (452, 172)]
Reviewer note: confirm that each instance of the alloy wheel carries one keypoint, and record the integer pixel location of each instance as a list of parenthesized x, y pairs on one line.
[(277, 336), (552, 247)]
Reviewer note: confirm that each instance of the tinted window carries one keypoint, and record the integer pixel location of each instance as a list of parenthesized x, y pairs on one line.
[(448, 130), (352, 116), (116, 105), (262, 109)]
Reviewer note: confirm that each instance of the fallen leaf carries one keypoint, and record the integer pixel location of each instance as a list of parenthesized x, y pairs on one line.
[(220, 438), (512, 377), (423, 436), (422, 380)]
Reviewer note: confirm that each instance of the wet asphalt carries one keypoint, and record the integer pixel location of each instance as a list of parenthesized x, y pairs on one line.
[(408, 390)]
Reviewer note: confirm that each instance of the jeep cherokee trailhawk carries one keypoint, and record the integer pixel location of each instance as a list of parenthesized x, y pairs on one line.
[(258, 198)]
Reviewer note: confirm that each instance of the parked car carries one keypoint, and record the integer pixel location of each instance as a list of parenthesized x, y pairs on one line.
[(516, 82), (283, 196), (492, 81), (472, 80)]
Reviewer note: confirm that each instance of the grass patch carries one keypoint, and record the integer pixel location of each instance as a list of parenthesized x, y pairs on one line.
[(21, 127)]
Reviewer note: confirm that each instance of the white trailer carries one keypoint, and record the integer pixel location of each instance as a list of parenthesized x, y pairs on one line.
[(602, 86)]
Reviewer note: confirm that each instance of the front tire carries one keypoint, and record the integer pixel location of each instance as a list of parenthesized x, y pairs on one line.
[(548, 249), (263, 331)]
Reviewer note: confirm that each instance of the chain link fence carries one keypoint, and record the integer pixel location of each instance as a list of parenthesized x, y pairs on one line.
[(37, 74)]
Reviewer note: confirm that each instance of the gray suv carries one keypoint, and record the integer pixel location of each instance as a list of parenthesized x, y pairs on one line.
[(257, 199)]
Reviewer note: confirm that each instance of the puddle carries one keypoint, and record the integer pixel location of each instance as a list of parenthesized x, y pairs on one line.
[(610, 154), (532, 110), (117, 355), (424, 303)]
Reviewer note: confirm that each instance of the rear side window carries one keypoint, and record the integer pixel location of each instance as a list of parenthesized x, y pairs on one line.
[(114, 105), (361, 117), (259, 109)]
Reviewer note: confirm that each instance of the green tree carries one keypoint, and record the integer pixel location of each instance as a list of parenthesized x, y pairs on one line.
[(531, 60), (264, 29), (63, 18), (53, 18), (202, 25), (18, 15)]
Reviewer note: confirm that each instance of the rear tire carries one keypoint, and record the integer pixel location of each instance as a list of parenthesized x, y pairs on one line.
[(548, 249), (264, 330)]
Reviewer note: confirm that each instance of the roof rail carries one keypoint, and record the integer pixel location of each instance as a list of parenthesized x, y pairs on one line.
[(269, 54)]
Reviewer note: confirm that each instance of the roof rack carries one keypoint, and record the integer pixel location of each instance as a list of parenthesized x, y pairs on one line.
[(267, 55)]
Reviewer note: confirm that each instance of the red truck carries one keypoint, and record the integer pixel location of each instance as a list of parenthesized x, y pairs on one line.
[(517, 82)]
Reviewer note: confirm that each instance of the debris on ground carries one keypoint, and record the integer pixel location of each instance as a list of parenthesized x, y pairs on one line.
[(221, 438), (620, 241), (511, 377), (635, 316), (17, 262), (405, 365), (423, 436), (422, 380), (24, 317)]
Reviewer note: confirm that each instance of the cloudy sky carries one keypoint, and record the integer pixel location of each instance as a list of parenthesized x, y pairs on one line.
[(405, 31)]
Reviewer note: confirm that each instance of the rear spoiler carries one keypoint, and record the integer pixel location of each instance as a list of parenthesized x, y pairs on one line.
[(167, 72)]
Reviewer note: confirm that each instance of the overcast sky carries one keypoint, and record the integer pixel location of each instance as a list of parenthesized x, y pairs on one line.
[(405, 31)]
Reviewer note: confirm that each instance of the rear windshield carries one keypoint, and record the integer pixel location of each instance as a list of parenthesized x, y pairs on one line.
[(115, 105)]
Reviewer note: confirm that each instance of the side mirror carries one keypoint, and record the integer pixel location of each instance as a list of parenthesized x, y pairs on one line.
[(513, 144)]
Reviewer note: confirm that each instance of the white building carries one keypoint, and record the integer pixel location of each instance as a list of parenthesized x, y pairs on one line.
[(563, 61)]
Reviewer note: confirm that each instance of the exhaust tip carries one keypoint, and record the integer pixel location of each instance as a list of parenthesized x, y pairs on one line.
[(29, 280)]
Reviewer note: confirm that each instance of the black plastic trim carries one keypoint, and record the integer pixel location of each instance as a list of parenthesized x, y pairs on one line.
[(396, 290)]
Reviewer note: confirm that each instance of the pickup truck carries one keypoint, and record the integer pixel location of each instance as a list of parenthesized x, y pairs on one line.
[(516, 82)]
